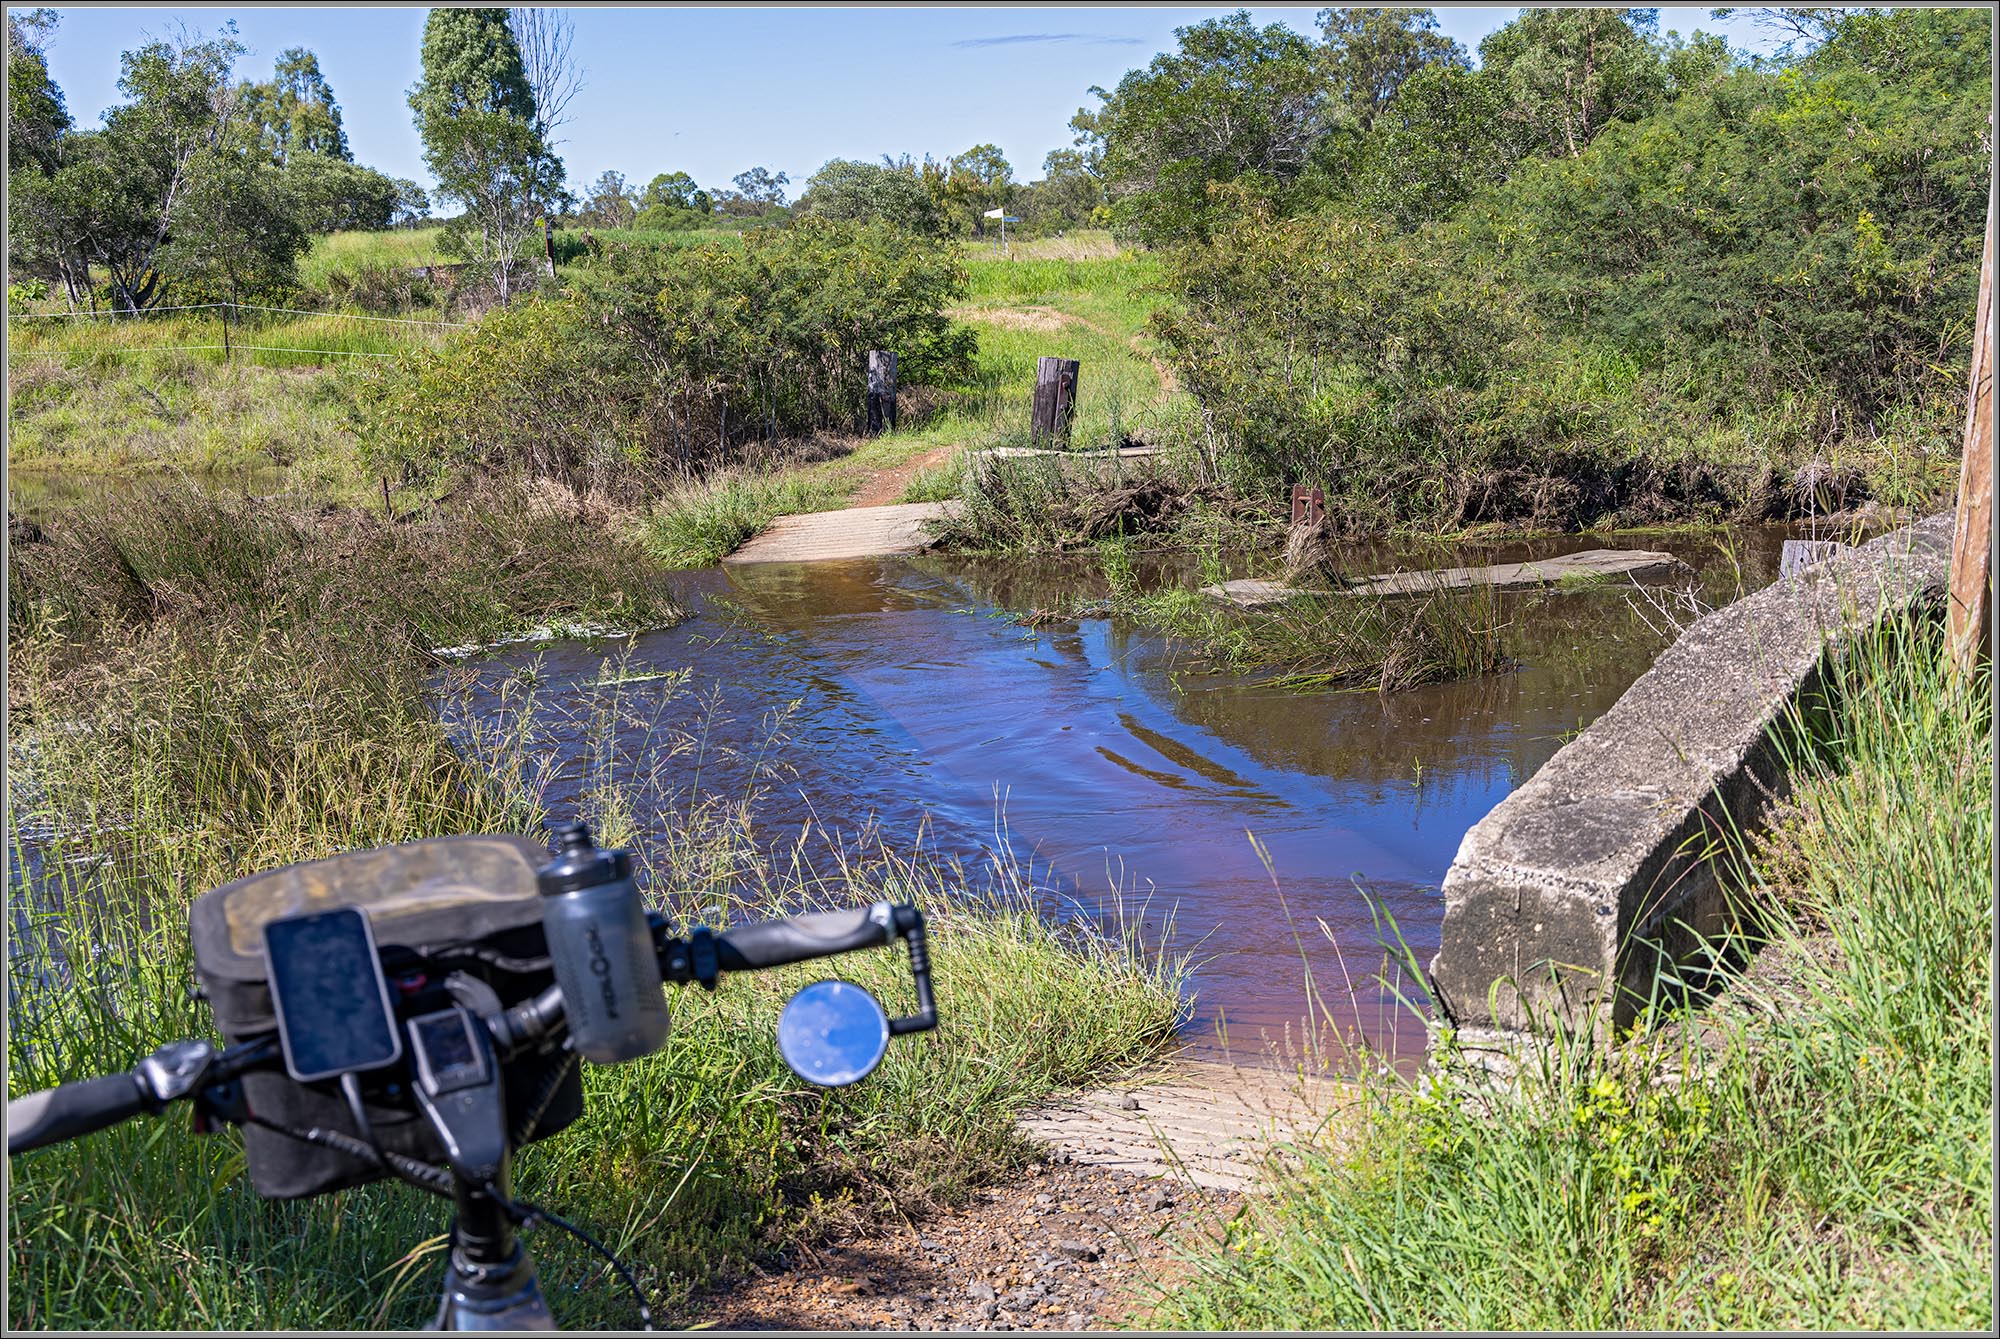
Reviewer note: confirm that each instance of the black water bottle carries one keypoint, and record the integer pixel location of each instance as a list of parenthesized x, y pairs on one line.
[(601, 949)]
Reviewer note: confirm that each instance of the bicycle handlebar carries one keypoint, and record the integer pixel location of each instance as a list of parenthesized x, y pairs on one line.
[(704, 955), (72, 1110), (819, 934), (183, 1069)]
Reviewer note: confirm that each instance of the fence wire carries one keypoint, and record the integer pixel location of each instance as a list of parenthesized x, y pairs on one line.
[(229, 306), (228, 348), (231, 347)]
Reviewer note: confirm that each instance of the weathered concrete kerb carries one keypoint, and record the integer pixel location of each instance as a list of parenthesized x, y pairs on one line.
[(1599, 564), (1567, 900)]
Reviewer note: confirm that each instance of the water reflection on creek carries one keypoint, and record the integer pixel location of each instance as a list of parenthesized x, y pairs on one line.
[(921, 703)]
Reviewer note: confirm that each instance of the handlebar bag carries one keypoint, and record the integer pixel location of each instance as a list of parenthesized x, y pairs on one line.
[(442, 908)]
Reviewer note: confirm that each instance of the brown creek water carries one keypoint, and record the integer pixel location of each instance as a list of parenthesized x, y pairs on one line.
[(1268, 835)]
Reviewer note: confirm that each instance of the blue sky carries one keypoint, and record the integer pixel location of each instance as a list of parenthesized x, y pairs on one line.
[(712, 91)]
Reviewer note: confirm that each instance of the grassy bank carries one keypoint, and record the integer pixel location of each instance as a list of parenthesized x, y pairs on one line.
[(158, 394), (205, 687), (170, 413), (1826, 1161)]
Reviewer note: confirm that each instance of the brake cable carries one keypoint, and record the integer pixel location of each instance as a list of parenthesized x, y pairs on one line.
[(546, 1094), (415, 1171), (438, 1181)]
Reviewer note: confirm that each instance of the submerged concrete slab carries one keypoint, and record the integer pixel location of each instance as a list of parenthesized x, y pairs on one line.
[(1256, 593), (858, 532), (1123, 453), (1587, 565), (1569, 901)]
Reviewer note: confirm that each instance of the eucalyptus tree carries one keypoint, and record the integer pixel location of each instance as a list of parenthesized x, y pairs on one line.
[(475, 111), (295, 112), (1234, 102)]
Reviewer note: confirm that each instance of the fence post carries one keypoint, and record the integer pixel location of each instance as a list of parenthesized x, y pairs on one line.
[(1055, 400), (1971, 619), (225, 307), (881, 390)]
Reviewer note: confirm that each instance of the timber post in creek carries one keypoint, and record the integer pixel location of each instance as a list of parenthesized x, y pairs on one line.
[(1971, 615), (881, 390), (1055, 400), (1308, 505)]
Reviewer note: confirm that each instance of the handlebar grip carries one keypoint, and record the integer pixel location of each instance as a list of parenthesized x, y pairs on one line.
[(819, 934), (71, 1110)]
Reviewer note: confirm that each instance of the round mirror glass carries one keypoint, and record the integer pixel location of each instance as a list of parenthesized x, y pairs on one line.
[(833, 1033)]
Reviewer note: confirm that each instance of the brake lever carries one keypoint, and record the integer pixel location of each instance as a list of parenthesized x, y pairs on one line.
[(173, 1072)]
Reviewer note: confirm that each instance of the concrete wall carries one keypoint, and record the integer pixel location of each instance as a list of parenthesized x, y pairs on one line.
[(1568, 901)]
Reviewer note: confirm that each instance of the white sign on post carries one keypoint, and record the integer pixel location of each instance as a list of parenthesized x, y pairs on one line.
[(1005, 219)]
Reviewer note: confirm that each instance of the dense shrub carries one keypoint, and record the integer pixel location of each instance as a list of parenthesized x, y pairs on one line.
[(1752, 276), (669, 361), (848, 189)]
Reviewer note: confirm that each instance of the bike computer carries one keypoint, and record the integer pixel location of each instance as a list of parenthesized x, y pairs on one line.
[(332, 1002)]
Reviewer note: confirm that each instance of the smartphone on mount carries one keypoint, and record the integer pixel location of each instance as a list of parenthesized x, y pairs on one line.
[(332, 1000)]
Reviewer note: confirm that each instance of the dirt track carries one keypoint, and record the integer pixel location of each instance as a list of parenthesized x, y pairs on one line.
[(1069, 1247)]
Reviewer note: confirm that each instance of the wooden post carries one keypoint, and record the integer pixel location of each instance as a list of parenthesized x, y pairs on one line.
[(1308, 505), (881, 390), (225, 332), (1055, 401), (1972, 535), (549, 245)]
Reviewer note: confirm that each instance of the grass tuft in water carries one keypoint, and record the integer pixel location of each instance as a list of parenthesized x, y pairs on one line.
[(1319, 640)]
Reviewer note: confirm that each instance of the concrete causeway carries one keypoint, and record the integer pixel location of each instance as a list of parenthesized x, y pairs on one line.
[(1215, 1125), (1251, 593), (884, 531), (858, 532)]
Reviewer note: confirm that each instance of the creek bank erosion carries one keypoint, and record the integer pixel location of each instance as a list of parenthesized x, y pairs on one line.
[(1607, 874)]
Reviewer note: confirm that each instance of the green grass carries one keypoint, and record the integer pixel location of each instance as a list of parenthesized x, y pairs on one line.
[(107, 395), (256, 338), (1826, 1162), (1570, 581), (699, 523), (348, 251), (165, 413), (937, 483), (203, 688), (1093, 310)]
